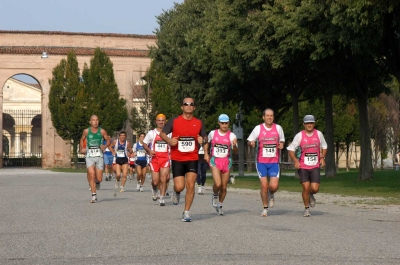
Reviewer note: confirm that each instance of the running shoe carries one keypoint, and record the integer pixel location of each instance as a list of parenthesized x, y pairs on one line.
[(106, 177), (138, 186), (116, 186), (166, 193), (200, 191), (306, 212), (94, 199), (162, 203), (219, 211), (141, 189), (121, 189), (90, 188), (312, 200), (158, 194), (98, 186), (264, 213), (271, 200), (232, 179), (175, 198), (186, 217), (214, 201), (154, 194), (130, 177)]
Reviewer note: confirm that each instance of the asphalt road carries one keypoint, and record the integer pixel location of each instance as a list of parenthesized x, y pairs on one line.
[(47, 218)]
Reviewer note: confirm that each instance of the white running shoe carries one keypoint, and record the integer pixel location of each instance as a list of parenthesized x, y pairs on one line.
[(219, 211), (312, 200), (94, 199), (162, 203), (154, 194), (271, 200), (186, 217), (138, 186), (141, 189), (98, 186), (175, 198), (121, 189), (214, 201), (90, 188), (264, 213), (200, 191), (116, 186), (306, 212), (130, 177)]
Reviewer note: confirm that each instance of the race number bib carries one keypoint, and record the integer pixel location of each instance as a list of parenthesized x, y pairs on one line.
[(141, 153), (120, 153), (269, 150), (132, 159), (201, 150), (221, 150), (186, 144), (160, 146), (310, 159), (94, 152)]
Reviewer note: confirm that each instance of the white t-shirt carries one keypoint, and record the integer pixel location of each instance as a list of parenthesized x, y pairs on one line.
[(297, 140), (256, 132)]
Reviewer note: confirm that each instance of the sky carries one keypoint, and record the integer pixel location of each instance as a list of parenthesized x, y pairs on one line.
[(90, 16)]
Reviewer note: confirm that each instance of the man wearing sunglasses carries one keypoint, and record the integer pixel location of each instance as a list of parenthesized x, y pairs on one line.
[(158, 151), (311, 142), (270, 140), (187, 133), (223, 141)]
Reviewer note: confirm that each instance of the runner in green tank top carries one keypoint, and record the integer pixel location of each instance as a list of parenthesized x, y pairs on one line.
[(94, 136)]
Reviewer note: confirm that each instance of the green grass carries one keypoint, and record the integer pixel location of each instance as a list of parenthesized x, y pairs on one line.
[(386, 184), (69, 170)]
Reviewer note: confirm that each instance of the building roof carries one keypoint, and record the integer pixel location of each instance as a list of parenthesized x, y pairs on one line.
[(41, 32), (79, 51)]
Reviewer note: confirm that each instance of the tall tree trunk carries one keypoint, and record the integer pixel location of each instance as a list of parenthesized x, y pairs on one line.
[(295, 103), (75, 152), (366, 171), (330, 168)]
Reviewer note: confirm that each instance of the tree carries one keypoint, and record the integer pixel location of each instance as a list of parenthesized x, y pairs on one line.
[(103, 97), (67, 102)]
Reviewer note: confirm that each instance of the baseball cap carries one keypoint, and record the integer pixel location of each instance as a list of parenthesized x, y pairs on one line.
[(223, 118), (308, 119)]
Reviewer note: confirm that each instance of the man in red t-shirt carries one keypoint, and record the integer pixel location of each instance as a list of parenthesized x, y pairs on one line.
[(187, 134)]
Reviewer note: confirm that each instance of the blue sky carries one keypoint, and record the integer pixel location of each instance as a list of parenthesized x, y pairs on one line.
[(92, 16)]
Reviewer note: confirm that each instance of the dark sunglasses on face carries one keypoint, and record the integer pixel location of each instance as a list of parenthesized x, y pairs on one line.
[(223, 122), (188, 104)]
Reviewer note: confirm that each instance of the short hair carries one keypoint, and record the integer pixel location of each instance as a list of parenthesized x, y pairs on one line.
[(142, 133), (122, 132), (183, 100), (267, 110)]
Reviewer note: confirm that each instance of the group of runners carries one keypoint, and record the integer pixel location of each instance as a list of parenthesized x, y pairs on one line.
[(177, 145)]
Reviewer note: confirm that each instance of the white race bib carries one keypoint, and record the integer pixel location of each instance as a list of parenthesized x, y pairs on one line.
[(221, 150), (120, 153), (186, 144), (94, 152), (269, 150), (201, 150), (141, 153), (160, 146), (311, 159)]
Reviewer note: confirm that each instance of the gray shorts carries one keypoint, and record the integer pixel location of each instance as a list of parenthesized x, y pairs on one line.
[(98, 161), (309, 175)]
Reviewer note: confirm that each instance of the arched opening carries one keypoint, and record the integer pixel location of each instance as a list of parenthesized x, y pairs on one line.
[(22, 124)]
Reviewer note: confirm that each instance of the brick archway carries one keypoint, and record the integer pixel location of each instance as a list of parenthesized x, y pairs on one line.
[(20, 53)]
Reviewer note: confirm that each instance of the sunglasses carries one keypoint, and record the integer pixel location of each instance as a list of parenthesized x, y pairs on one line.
[(223, 122), (160, 120), (188, 104)]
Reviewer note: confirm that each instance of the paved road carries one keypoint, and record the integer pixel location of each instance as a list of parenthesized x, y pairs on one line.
[(46, 218)]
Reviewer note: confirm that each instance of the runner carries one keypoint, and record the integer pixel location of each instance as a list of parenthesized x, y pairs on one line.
[(310, 141), (108, 161), (270, 140), (201, 171), (222, 140), (94, 136), (131, 165), (121, 149), (159, 151), (187, 132), (141, 162)]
